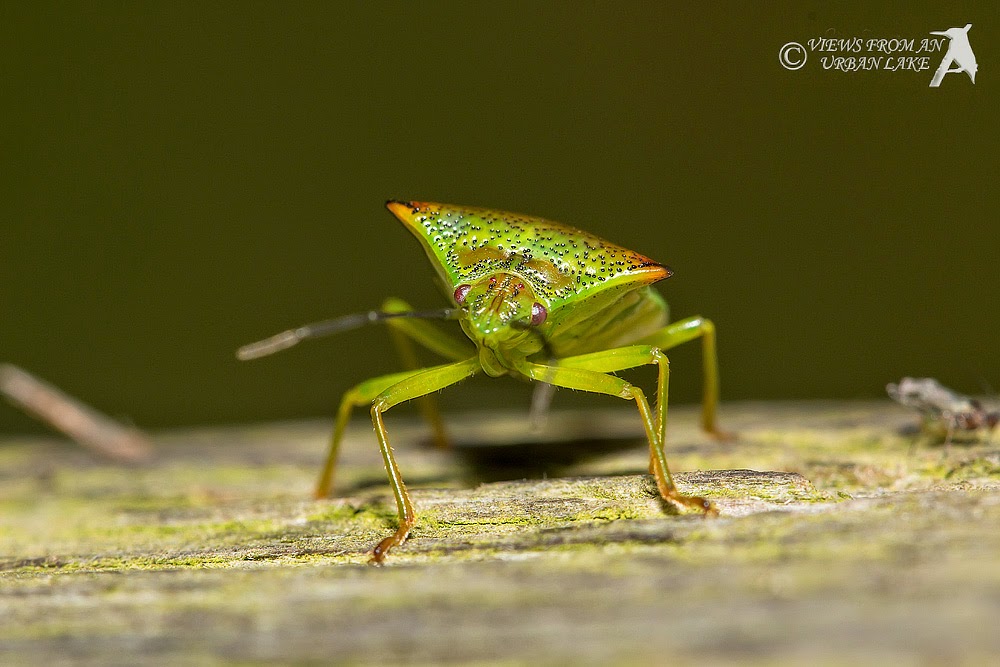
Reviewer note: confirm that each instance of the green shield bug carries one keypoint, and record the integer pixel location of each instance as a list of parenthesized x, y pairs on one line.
[(540, 301)]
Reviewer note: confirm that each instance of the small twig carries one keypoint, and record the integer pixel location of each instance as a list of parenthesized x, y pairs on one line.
[(80, 422)]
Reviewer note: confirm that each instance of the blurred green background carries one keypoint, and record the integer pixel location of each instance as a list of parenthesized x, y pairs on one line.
[(180, 179)]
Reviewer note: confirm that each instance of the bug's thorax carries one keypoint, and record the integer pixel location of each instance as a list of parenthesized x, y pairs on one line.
[(501, 316)]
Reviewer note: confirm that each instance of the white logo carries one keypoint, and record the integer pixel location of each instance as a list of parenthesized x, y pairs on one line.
[(959, 52), (792, 56), (873, 54)]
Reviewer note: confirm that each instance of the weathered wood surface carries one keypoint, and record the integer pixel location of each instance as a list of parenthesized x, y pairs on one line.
[(849, 544)]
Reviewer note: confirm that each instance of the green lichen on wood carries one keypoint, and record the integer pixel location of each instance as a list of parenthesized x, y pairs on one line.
[(837, 536)]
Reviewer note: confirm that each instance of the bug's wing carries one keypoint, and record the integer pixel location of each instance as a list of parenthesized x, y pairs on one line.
[(563, 265)]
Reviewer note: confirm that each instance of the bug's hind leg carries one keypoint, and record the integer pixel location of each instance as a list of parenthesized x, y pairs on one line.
[(404, 333)]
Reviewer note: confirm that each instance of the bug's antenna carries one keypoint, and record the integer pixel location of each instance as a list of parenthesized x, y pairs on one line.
[(287, 339)]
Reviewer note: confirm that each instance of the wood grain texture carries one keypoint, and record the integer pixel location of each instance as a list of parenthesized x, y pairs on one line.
[(840, 539)]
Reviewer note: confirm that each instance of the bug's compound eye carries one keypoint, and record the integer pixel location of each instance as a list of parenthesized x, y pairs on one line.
[(461, 292), (538, 314)]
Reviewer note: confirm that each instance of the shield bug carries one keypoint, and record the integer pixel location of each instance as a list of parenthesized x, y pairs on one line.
[(539, 301)]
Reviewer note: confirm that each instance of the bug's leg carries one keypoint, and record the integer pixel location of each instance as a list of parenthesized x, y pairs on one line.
[(426, 334), (686, 330), (418, 384), (361, 394), (404, 333), (541, 400), (947, 438), (589, 372)]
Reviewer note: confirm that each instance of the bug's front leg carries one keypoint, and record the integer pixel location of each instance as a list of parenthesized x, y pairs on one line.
[(362, 394), (686, 330), (418, 384), (406, 332), (589, 372)]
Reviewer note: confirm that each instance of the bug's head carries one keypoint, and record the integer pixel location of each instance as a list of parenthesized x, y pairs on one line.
[(502, 309)]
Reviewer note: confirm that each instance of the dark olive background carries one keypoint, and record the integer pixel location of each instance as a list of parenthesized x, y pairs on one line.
[(179, 179)]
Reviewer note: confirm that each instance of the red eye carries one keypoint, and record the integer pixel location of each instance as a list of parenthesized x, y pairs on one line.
[(538, 314), (461, 292)]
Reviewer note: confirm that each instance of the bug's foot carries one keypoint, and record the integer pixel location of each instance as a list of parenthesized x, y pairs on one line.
[(713, 431), (323, 485), (696, 502), (719, 435), (442, 442), (382, 548)]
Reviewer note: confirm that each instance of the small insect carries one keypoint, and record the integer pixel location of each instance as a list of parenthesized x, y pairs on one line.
[(942, 409), (539, 301)]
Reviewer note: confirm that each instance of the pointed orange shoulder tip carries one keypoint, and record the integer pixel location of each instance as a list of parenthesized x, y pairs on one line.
[(406, 211), (655, 273), (400, 208)]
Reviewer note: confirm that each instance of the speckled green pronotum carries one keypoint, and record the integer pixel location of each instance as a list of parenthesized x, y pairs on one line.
[(540, 301)]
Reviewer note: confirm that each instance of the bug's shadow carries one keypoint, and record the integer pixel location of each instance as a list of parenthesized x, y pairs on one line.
[(491, 448), (490, 462), (483, 462)]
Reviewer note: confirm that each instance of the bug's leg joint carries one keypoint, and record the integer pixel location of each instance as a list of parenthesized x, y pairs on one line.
[(629, 392)]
